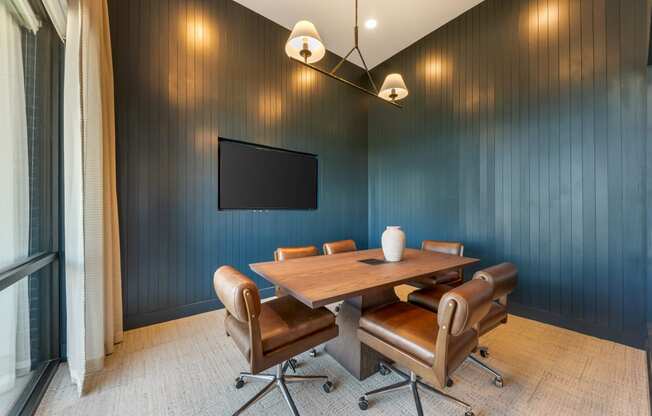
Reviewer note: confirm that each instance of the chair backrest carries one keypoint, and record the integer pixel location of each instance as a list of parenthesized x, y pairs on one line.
[(237, 292), (446, 247), (341, 246), (464, 306), (460, 309), (240, 297), (503, 279), (287, 253)]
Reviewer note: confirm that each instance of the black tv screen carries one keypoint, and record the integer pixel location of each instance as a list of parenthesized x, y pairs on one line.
[(259, 177)]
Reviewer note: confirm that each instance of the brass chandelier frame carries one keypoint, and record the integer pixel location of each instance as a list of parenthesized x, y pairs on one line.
[(333, 71)]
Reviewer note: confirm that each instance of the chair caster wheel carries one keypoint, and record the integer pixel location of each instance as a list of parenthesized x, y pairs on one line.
[(337, 309), (484, 353), (327, 387), (292, 362), (498, 382), (469, 413), (363, 404), (384, 370), (449, 382), (239, 383), (313, 353)]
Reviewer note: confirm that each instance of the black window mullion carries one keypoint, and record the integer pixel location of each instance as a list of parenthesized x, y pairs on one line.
[(21, 270)]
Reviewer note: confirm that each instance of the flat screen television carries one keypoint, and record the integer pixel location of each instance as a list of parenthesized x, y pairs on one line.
[(256, 177)]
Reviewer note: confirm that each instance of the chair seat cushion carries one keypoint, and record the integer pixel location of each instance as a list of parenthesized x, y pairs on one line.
[(429, 297), (282, 321), (449, 278), (413, 330), (496, 316), (443, 278)]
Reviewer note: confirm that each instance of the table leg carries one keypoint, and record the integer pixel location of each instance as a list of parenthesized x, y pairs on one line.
[(357, 358)]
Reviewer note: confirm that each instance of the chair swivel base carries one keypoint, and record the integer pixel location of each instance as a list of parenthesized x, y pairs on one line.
[(413, 383), (498, 378), (279, 381)]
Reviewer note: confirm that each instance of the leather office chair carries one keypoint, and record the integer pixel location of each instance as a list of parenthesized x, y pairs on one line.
[(336, 247), (431, 346), (450, 277), (271, 333), (288, 253), (503, 279)]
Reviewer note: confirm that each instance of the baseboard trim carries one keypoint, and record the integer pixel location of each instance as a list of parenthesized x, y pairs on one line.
[(648, 354), (630, 338), (164, 315)]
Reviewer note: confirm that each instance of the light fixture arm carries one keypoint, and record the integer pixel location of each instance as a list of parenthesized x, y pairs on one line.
[(356, 47), (306, 47)]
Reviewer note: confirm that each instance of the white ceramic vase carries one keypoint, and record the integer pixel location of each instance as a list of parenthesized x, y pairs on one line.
[(393, 241)]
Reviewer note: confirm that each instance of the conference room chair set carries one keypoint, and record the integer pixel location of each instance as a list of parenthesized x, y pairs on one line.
[(430, 335)]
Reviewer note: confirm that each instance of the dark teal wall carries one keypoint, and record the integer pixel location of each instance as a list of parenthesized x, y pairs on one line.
[(186, 72), (524, 137), (649, 197)]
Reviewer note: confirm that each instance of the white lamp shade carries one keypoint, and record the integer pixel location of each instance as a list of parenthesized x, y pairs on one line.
[(303, 35), (393, 84)]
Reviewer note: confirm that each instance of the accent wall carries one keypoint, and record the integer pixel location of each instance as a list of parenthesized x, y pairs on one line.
[(524, 137), (187, 72)]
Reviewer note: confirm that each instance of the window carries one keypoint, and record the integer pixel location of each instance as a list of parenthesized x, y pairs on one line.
[(30, 102)]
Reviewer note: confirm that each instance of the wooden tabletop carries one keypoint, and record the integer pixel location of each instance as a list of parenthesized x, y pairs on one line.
[(320, 280)]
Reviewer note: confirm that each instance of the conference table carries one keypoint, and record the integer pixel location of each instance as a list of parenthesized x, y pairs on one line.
[(363, 280)]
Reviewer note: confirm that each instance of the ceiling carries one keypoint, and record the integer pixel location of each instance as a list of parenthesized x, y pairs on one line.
[(400, 23)]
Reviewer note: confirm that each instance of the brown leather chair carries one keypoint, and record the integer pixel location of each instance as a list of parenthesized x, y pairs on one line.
[(336, 247), (269, 334), (432, 346), (449, 277), (289, 253), (503, 279)]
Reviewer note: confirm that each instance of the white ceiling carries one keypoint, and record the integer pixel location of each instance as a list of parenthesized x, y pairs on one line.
[(400, 23)]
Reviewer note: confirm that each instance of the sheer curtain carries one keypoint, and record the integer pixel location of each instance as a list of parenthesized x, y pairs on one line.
[(14, 201), (93, 280), (57, 11)]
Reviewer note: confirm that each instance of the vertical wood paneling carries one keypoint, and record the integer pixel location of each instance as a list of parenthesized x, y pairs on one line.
[(648, 149), (547, 121), (186, 72)]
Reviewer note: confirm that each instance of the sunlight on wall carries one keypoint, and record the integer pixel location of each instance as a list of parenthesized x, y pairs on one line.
[(184, 89), (303, 78), (270, 106), (199, 32), (543, 18), (482, 100), (205, 139), (437, 68), (198, 46)]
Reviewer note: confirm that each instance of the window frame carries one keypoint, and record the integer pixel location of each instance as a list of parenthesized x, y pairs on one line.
[(30, 398)]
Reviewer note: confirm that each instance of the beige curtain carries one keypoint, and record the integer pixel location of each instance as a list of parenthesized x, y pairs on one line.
[(92, 256)]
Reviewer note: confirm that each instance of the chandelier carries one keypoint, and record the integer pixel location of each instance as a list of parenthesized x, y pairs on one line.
[(306, 47)]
